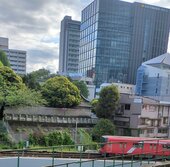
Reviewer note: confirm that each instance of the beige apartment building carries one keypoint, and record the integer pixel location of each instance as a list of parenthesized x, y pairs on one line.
[(141, 116)]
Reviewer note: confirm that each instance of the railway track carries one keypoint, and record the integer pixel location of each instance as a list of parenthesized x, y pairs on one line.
[(29, 153)]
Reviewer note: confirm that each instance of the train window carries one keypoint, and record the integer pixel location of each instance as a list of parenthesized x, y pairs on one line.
[(138, 145), (122, 145), (166, 146), (103, 141), (150, 146), (155, 146)]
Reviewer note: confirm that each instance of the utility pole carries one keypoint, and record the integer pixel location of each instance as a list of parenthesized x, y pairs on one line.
[(76, 133)]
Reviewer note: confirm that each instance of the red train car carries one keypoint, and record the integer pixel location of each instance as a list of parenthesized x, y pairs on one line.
[(134, 145)]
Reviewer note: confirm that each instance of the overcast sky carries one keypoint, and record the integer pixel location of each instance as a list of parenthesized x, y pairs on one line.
[(34, 26)]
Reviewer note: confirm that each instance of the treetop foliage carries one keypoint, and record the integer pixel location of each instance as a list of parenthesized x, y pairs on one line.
[(108, 102), (60, 92), (4, 59), (10, 78), (82, 87), (34, 79), (14, 92)]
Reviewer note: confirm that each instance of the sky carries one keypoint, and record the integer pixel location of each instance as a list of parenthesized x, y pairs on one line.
[(34, 26)]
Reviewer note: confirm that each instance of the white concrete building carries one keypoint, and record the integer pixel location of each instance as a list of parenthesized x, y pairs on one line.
[(122, 87), (17, 58)]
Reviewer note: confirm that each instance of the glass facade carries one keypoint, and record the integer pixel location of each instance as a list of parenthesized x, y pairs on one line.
[(108, 34)]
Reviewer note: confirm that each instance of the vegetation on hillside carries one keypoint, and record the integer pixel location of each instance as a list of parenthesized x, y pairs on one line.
[(14, 92), (51, 139), (103, 127)]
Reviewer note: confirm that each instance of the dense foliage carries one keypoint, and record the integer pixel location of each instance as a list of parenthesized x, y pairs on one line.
[(4, 59), (60, 92), (9, 78), (52, 139), (82, 87), (34, 79), (24, 97), (103, 127), (1, 64), (13, 92), (108, 102), (94, 103)]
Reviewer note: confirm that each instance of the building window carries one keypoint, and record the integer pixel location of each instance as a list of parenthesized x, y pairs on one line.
[(150, 130), (156, 91), (162, 131), (166, 91), (142, 131), (127, 106)]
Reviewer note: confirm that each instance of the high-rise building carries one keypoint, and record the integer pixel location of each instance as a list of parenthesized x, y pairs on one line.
[(69, 46), (17, 58), (3, 43), (117, 36)]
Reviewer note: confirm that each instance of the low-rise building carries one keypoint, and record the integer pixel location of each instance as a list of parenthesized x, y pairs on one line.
[(122, 88), (141, 116)]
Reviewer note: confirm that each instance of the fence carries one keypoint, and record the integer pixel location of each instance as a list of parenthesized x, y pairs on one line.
[(86, 156)]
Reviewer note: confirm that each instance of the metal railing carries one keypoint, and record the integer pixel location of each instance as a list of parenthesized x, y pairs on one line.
[(124, 159)]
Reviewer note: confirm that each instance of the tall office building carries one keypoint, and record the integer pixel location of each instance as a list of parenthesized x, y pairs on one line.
[(17, 58), (117, 36), (69, 46)]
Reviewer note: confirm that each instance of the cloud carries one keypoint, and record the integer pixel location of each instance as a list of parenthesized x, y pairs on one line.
[(34, 26)]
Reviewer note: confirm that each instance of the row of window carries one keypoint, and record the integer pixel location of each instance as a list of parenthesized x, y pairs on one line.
[(89, 11), (88, 29)]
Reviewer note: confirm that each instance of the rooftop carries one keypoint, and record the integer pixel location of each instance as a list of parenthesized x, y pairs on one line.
[(162, 61)]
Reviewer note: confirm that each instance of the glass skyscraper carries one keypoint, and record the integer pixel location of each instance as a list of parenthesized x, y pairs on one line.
[(116, 36)]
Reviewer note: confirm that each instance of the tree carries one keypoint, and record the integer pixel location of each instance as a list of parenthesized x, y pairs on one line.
[(13, 92), (24, 97), (33, 79), (108, 102), (103, 127), (31, 82), (82, 87), (1, 64), (9, 78), (3, 58), (60, 92), (94, 103)]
